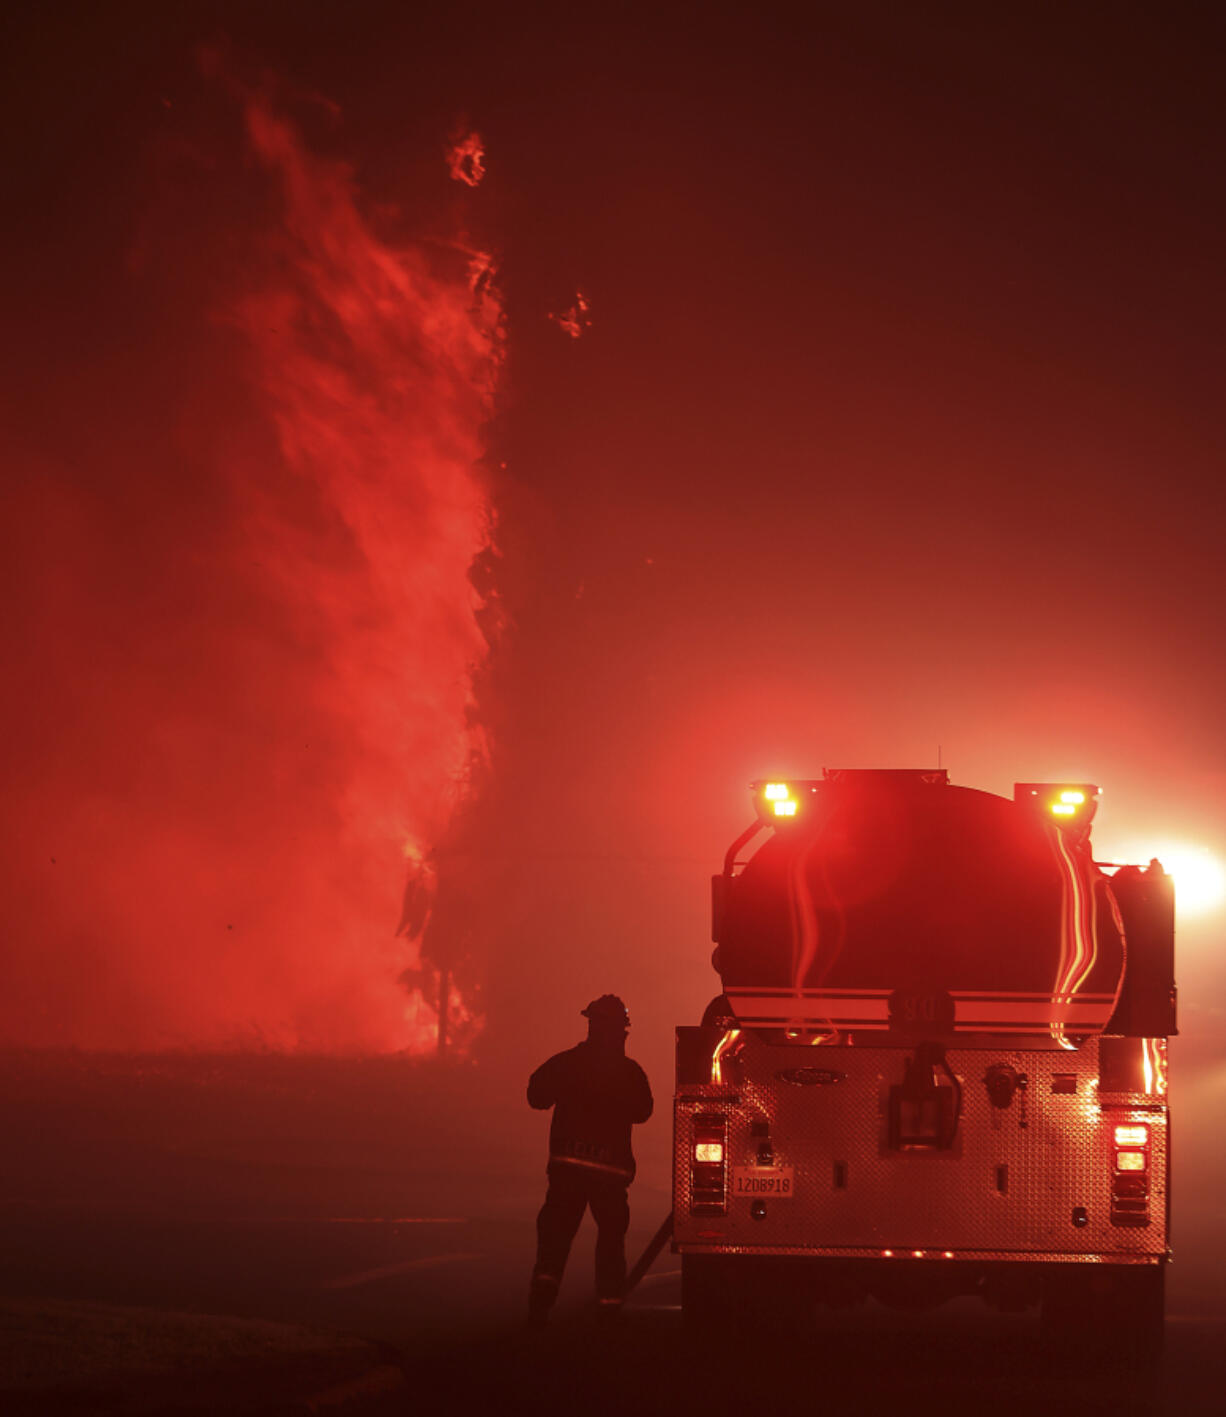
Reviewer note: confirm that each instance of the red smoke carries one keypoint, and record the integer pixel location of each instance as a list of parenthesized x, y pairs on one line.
[(262, 717)]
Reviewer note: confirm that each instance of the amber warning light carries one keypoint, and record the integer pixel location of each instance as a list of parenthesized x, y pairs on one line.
[(1068, 802), (779, 795), (779, 799)]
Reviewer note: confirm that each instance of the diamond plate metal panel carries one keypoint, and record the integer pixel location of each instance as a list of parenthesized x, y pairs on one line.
[(1012, 1186)]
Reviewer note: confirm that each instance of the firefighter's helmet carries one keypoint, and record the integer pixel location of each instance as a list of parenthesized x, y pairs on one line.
[(607, 1009)]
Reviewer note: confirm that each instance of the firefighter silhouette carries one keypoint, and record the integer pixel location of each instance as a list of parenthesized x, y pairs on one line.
[(597, 1095)]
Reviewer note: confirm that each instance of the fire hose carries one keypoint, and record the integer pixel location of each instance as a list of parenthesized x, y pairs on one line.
[(648, 1257)]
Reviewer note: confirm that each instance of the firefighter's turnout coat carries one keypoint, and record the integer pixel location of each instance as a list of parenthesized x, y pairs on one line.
[(597, 1094)]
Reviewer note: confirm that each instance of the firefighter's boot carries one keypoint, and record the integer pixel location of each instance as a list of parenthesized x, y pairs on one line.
[(541, 1296)]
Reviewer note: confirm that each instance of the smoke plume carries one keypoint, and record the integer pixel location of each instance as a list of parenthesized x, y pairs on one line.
[(249, 670)]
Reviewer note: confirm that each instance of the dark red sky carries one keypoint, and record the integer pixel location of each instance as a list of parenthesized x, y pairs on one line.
[(897, 424)]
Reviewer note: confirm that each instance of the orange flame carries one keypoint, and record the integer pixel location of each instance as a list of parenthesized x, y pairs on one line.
[(378, 369), (466, 160), (575, 319), (272, 647)]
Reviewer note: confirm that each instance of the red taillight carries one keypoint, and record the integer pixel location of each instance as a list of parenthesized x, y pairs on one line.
[(708, 1180), (1130, 1179)]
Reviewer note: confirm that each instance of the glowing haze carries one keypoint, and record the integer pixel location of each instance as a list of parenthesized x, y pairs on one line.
[(220, 846), (1200, 882)]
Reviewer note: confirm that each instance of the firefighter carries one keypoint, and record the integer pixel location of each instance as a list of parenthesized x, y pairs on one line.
[(597, 1094)]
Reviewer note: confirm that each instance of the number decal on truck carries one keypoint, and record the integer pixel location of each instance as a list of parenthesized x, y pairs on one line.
[(763, 1180)]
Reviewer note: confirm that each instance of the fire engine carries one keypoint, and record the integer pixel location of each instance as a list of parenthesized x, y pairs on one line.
[(937, 1065)]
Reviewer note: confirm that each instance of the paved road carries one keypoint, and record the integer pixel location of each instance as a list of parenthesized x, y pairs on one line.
[(285, 1194), (441, 1299)]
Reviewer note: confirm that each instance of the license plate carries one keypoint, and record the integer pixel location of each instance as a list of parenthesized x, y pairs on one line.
[(763, 1180)]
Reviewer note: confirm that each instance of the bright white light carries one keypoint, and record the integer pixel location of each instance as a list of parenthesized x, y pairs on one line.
[(1200, 880)]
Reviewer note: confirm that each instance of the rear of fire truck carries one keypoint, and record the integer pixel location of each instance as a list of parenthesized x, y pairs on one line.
[(937, 1065)]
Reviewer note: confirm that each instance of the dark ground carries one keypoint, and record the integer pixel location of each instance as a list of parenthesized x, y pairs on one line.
[(271, 1234)]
